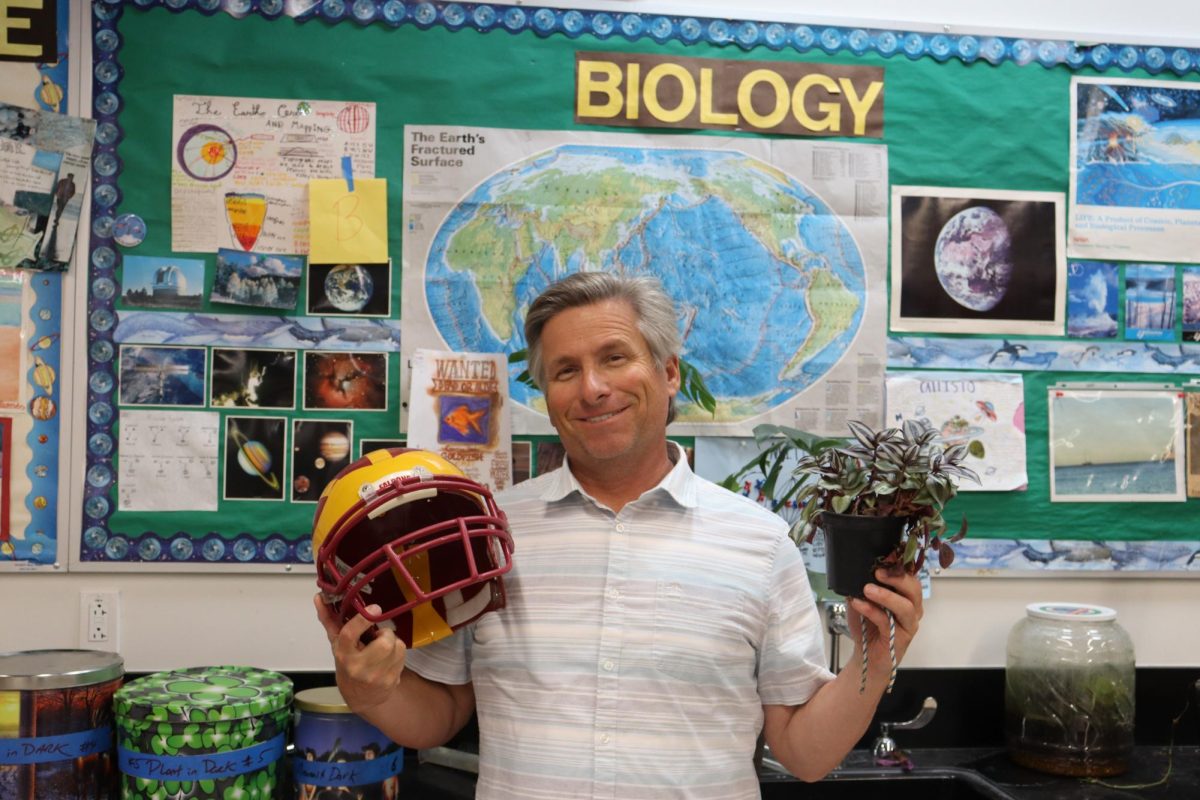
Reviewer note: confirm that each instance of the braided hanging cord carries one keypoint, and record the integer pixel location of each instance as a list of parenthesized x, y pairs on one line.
[(862, 684)]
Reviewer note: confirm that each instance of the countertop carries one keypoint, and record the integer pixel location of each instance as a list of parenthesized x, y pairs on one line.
[(1148, 766)]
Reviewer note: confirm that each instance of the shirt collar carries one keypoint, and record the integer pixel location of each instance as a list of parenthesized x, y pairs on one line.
[(679, 483)]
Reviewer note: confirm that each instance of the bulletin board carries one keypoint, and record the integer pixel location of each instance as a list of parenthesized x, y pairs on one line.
[(959, 111), (33, 491)]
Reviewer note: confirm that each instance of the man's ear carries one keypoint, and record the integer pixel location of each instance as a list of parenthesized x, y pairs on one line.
[(671, 367)]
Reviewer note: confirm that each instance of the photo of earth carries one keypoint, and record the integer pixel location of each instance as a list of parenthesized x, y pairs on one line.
[(361, 290), (349, 287), (991, 259), (972, 258)]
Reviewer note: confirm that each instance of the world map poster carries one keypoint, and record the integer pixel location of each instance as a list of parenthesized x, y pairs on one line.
[(774, 252)]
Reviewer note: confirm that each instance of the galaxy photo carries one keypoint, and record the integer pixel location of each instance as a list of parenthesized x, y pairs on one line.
[(162, 376), (344, 380), (253, 378), (254, 458), (359, 290), (320, 450), (977, 262)]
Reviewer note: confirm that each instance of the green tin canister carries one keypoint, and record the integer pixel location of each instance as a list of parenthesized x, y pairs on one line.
[(204, 732)]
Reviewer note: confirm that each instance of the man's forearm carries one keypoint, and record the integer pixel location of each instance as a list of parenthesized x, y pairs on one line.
[(421, 713), (812, 739)]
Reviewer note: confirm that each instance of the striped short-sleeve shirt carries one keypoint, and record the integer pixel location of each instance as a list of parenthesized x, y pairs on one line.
[(637, 649)]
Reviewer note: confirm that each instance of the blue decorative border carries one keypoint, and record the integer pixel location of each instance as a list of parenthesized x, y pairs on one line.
[(746, 34), (1076, 555), (40, 543)]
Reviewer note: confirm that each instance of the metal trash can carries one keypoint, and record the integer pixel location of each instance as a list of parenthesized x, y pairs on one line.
[(56, 737), (204, 732)]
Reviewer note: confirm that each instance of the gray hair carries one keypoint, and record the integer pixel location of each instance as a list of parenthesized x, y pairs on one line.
[(655, 312)]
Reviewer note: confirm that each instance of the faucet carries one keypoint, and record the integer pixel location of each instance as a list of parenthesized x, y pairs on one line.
[(834, 612), (885, 747)]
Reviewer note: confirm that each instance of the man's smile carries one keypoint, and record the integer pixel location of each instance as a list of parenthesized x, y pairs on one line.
[(602, 417)]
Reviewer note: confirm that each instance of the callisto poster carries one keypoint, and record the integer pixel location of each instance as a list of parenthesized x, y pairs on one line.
[(795, 230), (985, 411), (459, 409)]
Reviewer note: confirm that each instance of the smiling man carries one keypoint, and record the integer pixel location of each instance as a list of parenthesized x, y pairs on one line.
[(656, 623)]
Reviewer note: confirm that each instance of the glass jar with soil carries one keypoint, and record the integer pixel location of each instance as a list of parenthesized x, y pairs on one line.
[(1068, 691)]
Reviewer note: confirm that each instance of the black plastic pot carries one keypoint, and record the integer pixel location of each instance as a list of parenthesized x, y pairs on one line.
[(853, 547)]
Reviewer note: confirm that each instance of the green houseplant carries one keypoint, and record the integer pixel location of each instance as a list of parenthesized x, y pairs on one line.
[(878, 496), (896, 480)]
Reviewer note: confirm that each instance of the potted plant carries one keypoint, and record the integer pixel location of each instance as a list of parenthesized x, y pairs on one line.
[(878, 496)]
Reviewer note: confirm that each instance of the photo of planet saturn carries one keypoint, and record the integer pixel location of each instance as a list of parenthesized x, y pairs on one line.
[(254, 458)]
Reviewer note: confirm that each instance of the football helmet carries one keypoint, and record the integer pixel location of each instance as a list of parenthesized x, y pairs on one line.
[(407, 531)]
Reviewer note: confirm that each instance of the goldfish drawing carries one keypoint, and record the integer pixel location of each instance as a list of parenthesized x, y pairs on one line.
[(463, 419)]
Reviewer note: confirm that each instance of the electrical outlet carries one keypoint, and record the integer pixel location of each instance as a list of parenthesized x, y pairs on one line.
[(99, 620)]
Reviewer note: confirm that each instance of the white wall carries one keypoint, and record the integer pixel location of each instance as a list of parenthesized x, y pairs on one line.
[(170, 621), (177, 620)]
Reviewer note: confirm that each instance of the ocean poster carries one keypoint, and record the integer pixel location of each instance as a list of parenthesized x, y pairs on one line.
[(1135, 169), (1138, 459)]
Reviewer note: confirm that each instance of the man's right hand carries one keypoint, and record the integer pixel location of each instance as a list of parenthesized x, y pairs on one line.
[(367, 675)]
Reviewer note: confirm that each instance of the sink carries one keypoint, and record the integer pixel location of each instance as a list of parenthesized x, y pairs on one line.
[(938, 783)]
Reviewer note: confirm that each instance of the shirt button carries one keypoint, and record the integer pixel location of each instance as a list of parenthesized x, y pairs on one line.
[(604, 738), (620, 528), (608, 665), (613, 594)]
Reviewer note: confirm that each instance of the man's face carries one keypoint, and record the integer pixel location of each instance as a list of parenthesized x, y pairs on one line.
[(604, 394)]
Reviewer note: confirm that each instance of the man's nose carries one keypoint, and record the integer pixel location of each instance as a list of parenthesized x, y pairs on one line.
[(595, 384)]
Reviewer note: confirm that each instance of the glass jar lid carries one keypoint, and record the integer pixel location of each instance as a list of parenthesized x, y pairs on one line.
[(1071, 612)]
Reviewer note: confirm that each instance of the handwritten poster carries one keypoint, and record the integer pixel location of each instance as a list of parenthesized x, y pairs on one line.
[(240, 168), (168, 461), (349, 226), (459, 409), (984, 411)]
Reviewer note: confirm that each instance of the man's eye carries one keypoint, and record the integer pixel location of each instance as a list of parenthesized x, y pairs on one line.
[(564, 373)]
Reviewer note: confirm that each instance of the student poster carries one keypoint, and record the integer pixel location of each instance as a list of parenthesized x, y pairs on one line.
[(459, 408), (983, 411), (240, 168)]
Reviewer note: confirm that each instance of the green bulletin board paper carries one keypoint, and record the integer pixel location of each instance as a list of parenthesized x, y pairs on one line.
[(946, 123)]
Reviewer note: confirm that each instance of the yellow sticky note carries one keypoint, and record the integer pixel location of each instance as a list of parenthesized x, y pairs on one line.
[(346, 226)]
